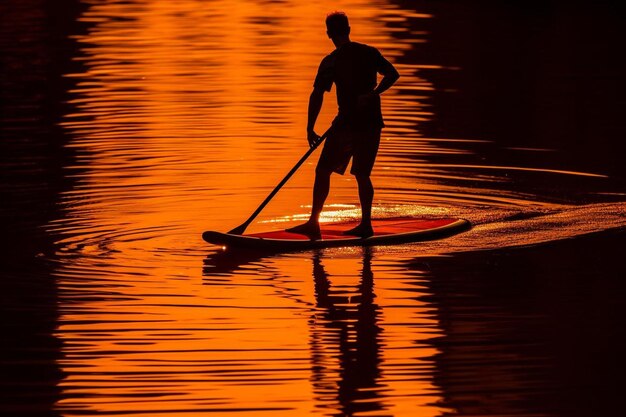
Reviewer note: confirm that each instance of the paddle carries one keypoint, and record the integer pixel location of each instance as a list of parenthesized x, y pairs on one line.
[(242, 228)]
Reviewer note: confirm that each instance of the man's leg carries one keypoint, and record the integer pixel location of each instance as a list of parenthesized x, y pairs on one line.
[(362, 164), (321, 187), (366, 197)]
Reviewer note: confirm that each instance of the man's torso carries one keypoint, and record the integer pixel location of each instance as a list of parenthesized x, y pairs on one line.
[(353, 68)]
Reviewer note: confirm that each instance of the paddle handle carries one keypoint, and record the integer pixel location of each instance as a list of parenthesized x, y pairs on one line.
[(242, 227)]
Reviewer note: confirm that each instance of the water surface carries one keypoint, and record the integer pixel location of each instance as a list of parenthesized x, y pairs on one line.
[(140, 124)]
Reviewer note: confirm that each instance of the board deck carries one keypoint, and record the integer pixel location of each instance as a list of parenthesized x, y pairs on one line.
[(389, 231)]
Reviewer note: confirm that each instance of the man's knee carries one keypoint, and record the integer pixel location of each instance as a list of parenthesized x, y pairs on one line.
[(323, 172)]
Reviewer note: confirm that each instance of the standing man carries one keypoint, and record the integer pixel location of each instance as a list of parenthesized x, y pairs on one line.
[(355, 132)]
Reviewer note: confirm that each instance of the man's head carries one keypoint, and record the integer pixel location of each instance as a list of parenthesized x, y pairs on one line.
[(337, 25)]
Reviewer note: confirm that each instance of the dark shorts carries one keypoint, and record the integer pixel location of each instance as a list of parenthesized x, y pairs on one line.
[(345, 143)]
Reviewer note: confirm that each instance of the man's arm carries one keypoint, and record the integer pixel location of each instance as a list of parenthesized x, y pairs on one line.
[(390, 76), (315, 105)]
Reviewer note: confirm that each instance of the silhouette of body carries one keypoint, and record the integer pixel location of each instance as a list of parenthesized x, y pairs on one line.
[(353, 68), (346, 343)]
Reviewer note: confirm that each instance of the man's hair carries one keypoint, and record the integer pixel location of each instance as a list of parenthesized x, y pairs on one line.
[(337, 24)]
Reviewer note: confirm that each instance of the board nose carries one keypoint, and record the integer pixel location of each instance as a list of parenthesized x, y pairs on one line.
[(213, 237)]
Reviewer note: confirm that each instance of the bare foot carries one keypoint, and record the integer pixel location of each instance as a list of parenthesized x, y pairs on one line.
[(310, 229), (360, 231)]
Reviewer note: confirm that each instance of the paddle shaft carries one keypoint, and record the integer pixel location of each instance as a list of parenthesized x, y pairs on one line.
[(242, 228)]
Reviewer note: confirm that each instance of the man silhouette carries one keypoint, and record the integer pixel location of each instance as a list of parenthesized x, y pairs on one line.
[(353, 68)]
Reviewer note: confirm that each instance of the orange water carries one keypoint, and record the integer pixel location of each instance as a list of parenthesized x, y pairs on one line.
[(182, 117)]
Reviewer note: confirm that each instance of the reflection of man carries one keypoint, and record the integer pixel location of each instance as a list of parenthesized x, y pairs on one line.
[(345, 328), (353, 67)]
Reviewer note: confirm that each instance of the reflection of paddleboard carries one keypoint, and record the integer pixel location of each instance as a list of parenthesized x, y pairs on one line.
[(389, 231)]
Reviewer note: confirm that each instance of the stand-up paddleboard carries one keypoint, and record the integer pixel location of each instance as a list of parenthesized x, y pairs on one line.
[(389, 231)]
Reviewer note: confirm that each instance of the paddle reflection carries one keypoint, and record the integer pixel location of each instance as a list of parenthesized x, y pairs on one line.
[(228, 261), (346, 342)]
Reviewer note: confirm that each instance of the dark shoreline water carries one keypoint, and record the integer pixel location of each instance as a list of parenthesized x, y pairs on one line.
[(35, 52), (538, 74), (531, 331)]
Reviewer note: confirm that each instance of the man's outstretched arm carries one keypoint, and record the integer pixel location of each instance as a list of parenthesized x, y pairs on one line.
[(315, 105)]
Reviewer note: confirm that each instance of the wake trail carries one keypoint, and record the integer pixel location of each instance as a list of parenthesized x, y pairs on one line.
[(526, 228)]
